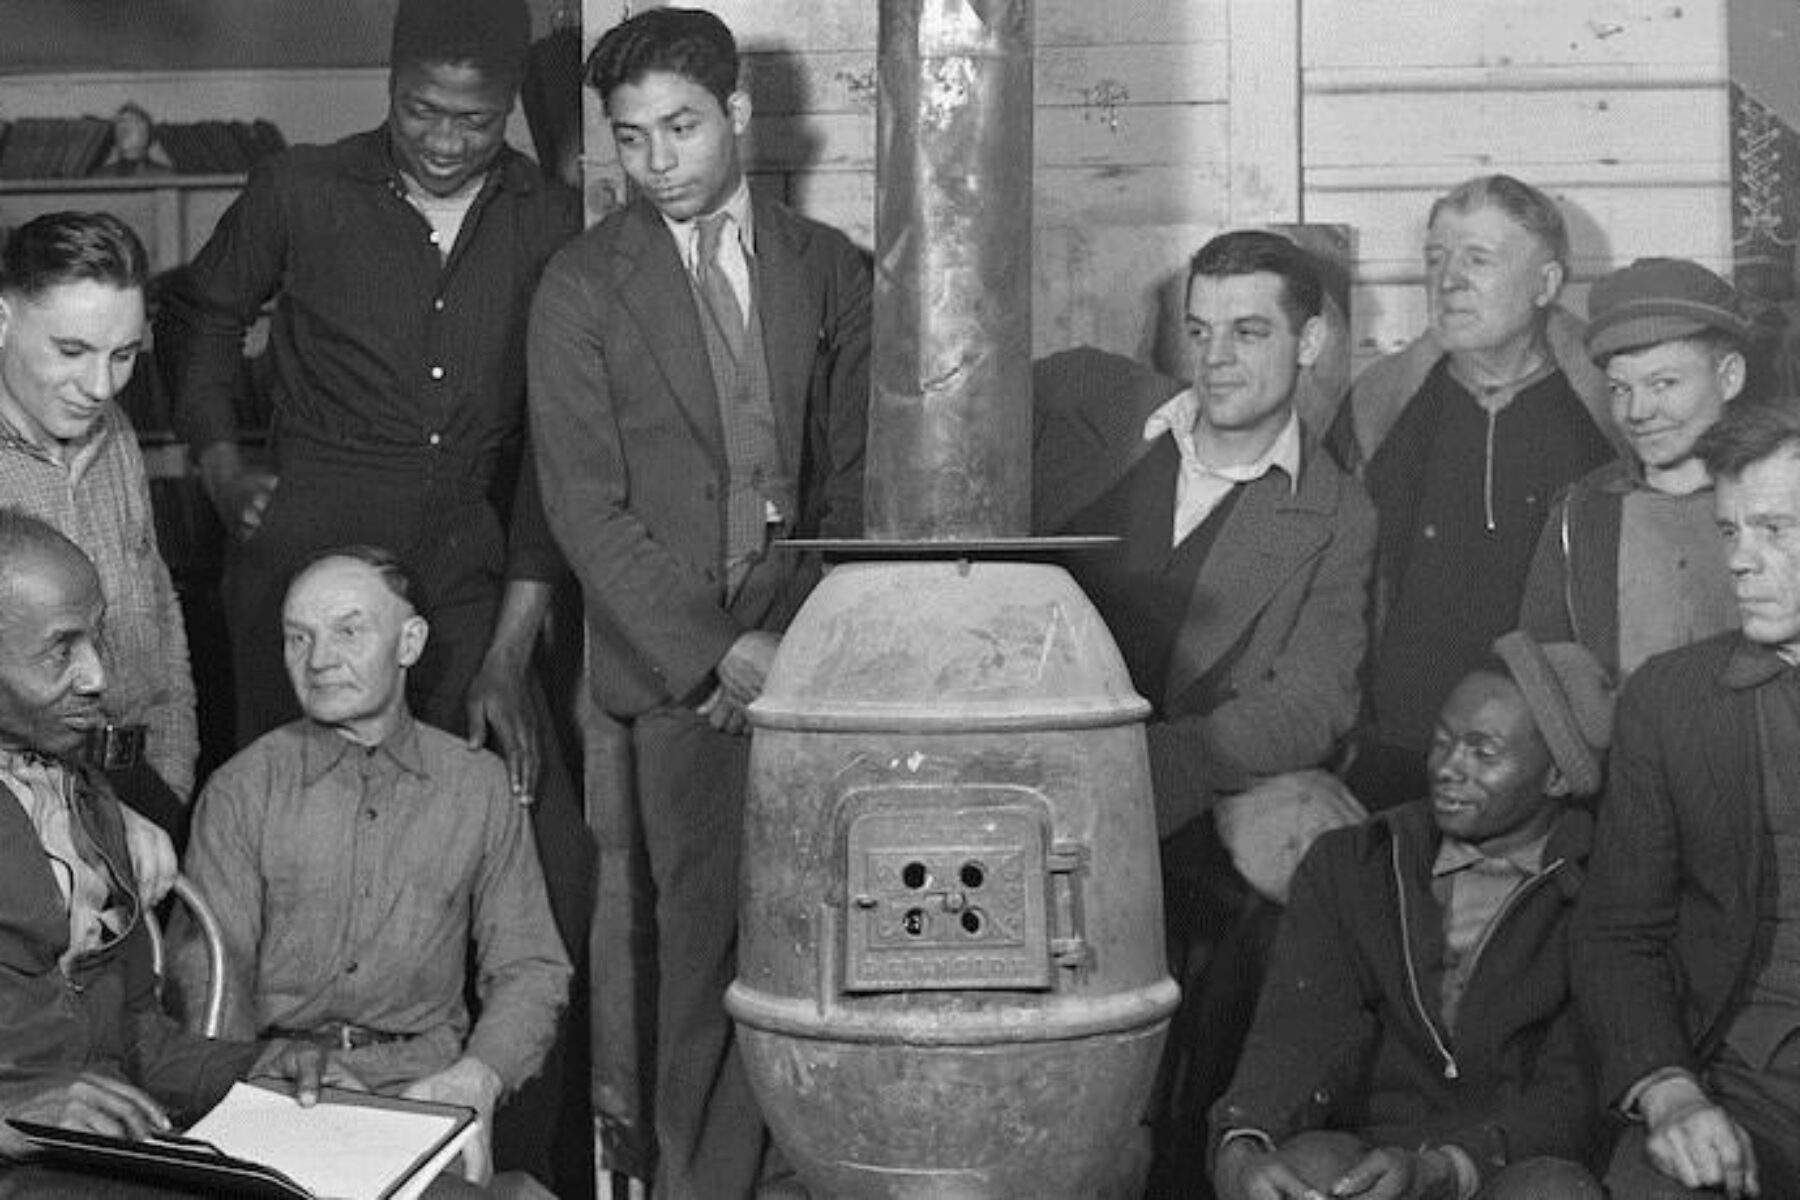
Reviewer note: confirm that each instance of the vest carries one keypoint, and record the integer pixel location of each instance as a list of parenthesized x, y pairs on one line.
[(755, 475), (1143, 585)]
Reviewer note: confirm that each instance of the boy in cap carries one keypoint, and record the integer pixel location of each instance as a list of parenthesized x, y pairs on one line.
[(1630, 563), (1416, 1034)]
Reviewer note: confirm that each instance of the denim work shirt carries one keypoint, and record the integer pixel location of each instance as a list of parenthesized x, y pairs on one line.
[(349, 883)]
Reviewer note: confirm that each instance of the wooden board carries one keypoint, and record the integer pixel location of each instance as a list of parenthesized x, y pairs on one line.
[(1476, 130), (1513, 33)]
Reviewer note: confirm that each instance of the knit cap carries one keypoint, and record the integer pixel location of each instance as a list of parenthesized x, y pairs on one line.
[(1658, 300), (1570, 697)]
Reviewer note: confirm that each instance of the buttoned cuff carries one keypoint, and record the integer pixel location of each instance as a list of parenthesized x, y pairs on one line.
[(1249, 1135), (1629, 1105)]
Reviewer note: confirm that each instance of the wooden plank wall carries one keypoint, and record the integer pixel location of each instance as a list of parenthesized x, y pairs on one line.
[(1619, 108), (1138, 160)]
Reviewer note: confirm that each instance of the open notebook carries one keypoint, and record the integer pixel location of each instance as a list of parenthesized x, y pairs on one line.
[(260, 1142)]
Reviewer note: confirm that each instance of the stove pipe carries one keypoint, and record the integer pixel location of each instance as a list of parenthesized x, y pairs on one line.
[(949, 453)]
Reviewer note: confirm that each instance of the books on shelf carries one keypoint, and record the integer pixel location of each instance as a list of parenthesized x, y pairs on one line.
[(54, 147), (259, 1142), (74, 147)]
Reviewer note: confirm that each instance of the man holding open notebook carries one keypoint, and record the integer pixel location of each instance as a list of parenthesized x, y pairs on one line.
[(354, 855), (83, 1044)]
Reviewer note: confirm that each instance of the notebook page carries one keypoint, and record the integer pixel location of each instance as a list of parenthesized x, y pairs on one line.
[(342, 1151)]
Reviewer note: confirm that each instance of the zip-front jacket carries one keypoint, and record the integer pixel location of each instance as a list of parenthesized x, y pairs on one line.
[(101, 1016), (1348, 1033)]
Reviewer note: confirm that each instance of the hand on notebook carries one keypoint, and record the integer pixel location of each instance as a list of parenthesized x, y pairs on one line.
[(473, 1084), (308, 1066), (92, 1103)]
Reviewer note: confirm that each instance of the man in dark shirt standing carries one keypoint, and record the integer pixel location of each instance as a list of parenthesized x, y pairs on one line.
[(400, 263)]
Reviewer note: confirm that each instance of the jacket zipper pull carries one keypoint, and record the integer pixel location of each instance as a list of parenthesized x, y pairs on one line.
[(1450, 1071)]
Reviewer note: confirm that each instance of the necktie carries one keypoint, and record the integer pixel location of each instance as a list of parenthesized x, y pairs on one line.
[(715, 285)]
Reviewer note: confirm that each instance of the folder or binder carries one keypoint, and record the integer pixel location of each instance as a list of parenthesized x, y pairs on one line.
[(260, 1144)]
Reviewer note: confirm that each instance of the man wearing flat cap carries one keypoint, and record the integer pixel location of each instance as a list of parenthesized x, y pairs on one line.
[(1629, 563), (1687, 941), (399, 264), (1416, 1036)]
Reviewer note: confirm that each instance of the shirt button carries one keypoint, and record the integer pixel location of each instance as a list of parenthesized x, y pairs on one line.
[(433, 238), (1430, 532), (437, 372), (369, 813), (351, 969), (437, 305), (435, 438)]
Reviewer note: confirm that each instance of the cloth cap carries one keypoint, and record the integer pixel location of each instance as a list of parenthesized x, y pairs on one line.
[(1657, 300), (1570, 697)]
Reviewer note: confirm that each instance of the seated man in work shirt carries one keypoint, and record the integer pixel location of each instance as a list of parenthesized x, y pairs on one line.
[(353, 855)]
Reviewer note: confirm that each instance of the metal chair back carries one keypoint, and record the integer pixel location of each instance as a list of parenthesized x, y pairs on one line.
[(213, 1015)]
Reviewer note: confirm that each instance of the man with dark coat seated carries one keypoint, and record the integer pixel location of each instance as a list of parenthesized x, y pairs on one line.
[(1688, 938), (83, 1043), (1416, 1037)]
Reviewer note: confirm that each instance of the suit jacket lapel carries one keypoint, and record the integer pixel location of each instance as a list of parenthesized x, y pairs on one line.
[(1271, 532), (789, 327), (653, 286)]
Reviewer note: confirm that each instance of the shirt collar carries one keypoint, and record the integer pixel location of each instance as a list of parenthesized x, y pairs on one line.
[(14, 761), (77, 452), (371, 159), (1625, 475), (1455, 855), (742, 212), (323, 748), (1753, 664), (1177, 419)]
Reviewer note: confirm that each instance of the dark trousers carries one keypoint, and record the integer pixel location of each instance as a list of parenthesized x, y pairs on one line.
[(691, 782), (1321, 1157), (450, 539), (1219, 936)]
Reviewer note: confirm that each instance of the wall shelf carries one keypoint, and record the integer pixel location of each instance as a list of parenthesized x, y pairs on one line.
[(173, 214)]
